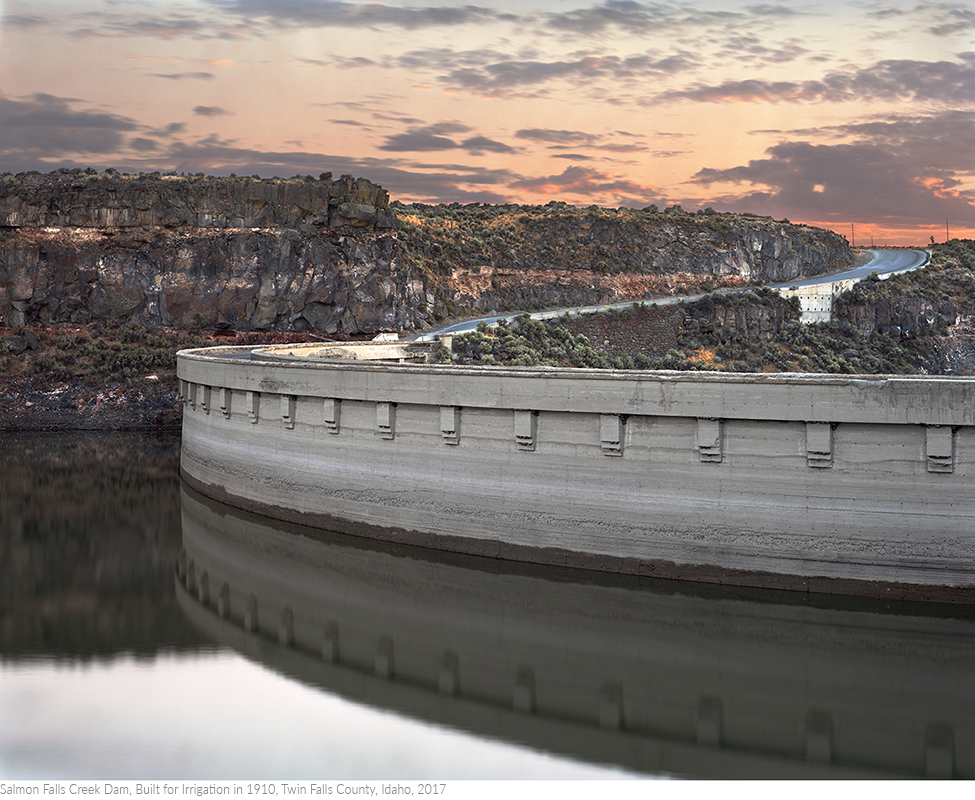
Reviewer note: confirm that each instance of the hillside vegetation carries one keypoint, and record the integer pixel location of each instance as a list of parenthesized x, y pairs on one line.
[(917, 322)]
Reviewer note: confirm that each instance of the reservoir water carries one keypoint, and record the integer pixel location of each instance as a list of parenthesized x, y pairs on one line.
[(148, 632)]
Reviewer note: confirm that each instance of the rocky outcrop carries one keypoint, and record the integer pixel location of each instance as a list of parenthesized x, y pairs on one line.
[(739, 319), (81, 200), (618, 241), (203, 252), (204, 278), (899, 316), (749, 317), (954, 353), (329, 256)]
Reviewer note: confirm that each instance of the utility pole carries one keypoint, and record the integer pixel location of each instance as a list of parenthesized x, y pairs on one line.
[(853, 236), (947, 237)]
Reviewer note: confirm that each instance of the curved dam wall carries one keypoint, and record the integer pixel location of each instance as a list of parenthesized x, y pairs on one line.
[(856, 485)]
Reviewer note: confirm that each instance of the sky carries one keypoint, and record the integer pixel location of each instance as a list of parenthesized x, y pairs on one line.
[(855, 116)]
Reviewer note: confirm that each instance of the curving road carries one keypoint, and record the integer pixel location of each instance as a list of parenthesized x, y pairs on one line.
[(883, 262)]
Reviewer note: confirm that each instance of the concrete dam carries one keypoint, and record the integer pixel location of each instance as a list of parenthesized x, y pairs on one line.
[(835, 484)]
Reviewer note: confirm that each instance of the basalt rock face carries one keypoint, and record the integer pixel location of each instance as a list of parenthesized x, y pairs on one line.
[(946, 329), (200, 278), (106, 201), (212, 253), (900, 317), (619, 241), (327, 255), (749, 320)]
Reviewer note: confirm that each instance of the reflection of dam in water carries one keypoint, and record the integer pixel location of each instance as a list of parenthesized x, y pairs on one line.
[(661, 678)]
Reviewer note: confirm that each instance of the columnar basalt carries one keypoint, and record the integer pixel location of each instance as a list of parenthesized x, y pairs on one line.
[(80, 200), (191, 252)]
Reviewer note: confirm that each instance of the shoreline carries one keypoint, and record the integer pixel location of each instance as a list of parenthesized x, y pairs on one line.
[(69, 377), (145, 404)]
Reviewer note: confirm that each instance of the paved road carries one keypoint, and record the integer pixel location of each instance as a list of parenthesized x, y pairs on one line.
[(884, 262)]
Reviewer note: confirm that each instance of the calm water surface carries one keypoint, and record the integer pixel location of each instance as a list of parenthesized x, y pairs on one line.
[(147, 632)]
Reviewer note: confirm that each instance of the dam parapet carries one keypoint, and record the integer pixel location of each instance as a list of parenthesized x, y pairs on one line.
[(852, 484)]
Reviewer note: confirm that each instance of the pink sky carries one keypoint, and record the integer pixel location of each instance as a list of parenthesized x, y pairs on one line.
[(836, 114)]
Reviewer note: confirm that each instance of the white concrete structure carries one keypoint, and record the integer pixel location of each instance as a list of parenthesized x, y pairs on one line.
[(856, 484), (649, 675), (817, 300)]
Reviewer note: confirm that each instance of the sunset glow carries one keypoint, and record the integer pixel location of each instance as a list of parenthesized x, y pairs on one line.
[(857, 117)]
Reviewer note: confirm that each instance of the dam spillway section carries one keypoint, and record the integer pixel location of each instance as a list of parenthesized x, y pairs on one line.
[(836, 484)]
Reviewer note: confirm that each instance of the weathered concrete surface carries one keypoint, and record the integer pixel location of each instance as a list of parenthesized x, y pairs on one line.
[(817, 300), (813, 482), (648, 675)]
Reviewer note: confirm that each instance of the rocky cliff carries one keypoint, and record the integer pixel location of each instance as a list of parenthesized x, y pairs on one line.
[(933, 309), (330, 255), (603, 241), (209, 278), (203, 252), (85, 199)]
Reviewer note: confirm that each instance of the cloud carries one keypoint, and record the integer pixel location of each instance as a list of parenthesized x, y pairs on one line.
[(22, 21), (436, 137), (476, 145), (588, 184), (508, 76), (210, 111), (47, 126), (893, 172), (166, 131), (493, 73), (354, 63), (949, 82), (428, 138), (560, 140), (109, 24), (556, 136), (952, 19), (628, 17), (329, 13), (179, 76), (943, 142), (143, 145), (128, 21), (754, 50)]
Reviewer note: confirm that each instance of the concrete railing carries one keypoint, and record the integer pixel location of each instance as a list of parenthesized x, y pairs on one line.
[(813, 482)]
